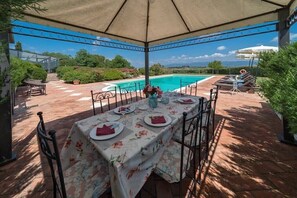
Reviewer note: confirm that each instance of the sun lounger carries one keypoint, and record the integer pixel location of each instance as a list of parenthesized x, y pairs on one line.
[(243, 86), (230, 80)]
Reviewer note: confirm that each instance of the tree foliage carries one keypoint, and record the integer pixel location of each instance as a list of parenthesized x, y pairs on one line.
[(216, 65), (14, 9), (119, 62), (18, 46), (157, 69), (280, 88)]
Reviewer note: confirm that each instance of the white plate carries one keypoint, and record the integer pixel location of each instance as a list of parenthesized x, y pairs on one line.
[(181, 100), (147, 120), (131, 109), (117, 130), (143, 107), (112, 118)]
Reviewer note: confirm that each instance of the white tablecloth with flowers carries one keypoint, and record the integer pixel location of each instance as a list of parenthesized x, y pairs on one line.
[(133, 154)]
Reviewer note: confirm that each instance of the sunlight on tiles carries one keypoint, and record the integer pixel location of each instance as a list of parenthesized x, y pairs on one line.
[(67, 91), (84, 99), (62, 88), (98, 104), (75, 94)]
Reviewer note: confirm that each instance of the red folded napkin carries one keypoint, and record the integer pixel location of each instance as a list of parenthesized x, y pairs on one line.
[(105, 130), (123, 108), (158, 119), (187, 100)]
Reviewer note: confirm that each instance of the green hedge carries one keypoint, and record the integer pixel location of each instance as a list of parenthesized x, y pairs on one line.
[(112, 74), (88, 74), (64, 69), (83, 77), (21, 70), (224, 71)]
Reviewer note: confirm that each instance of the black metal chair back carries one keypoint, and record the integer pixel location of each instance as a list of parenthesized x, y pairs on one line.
[(103, 96), (49, 148), (140, 87), (189, 88), (191, 126), (213, 97), (126, 94)]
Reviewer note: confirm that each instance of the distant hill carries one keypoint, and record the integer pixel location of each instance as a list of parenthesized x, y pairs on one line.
[(204, 64)]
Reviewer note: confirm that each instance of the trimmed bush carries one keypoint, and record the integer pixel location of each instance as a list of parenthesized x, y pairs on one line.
[(61, 70), (112, 74), (83, 76)]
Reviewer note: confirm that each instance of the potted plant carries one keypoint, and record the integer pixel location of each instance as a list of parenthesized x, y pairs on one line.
[(76, 82), (280, 87)]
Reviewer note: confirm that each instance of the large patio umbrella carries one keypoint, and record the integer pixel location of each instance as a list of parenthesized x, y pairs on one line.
[(151, 22)]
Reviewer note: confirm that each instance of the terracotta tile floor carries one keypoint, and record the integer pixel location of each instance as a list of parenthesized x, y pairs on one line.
[(246, 161)]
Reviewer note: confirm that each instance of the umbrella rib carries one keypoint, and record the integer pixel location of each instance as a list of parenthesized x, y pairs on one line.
[(273, 3), (182, 18), (115, 16), (147, 19)]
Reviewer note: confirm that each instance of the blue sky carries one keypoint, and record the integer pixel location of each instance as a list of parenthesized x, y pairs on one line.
[(220, 50)]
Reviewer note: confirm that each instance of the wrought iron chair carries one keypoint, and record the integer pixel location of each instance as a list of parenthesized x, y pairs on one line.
[(188, 87), (139, 87), (127, 94), (213, 97), (80, 180), (103, 96), (179, 160)]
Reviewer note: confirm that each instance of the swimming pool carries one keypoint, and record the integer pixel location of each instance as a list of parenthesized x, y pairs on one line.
[(166, 83)]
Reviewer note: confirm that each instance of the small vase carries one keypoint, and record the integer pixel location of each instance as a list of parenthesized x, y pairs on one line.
[(153, 101)]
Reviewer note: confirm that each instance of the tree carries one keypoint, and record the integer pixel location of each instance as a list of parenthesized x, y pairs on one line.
[(82, 57), (215, 65), (15, 9), (18, 46), (120, 62), (96, 61), (157, 69)]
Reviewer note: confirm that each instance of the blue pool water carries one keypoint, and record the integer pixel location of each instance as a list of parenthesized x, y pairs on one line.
[(166, 83)]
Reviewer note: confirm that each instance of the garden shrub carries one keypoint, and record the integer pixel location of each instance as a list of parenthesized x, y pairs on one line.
[(84, 76), (280, 88), (21, 70), (112, 74), (61, 70)]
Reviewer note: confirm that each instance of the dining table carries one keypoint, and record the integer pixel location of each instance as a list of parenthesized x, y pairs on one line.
[(135, 149)]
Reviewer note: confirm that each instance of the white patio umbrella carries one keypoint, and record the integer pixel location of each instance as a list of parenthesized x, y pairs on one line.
[(252, 53)]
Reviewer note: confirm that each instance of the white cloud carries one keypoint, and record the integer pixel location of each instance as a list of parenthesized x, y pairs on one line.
[(220, 48), (232, 52), (97, 42), (188, 59), (70, 49)]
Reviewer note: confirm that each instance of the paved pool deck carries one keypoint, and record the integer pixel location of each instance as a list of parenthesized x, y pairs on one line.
[(247, 159)]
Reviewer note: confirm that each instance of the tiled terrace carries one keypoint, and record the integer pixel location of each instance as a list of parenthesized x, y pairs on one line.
[(247, 161)]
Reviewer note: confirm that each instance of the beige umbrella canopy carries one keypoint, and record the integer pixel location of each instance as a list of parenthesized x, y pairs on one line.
[(156, 21)]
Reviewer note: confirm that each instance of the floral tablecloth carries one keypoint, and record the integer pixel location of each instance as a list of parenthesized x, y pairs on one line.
[(133, 154)]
